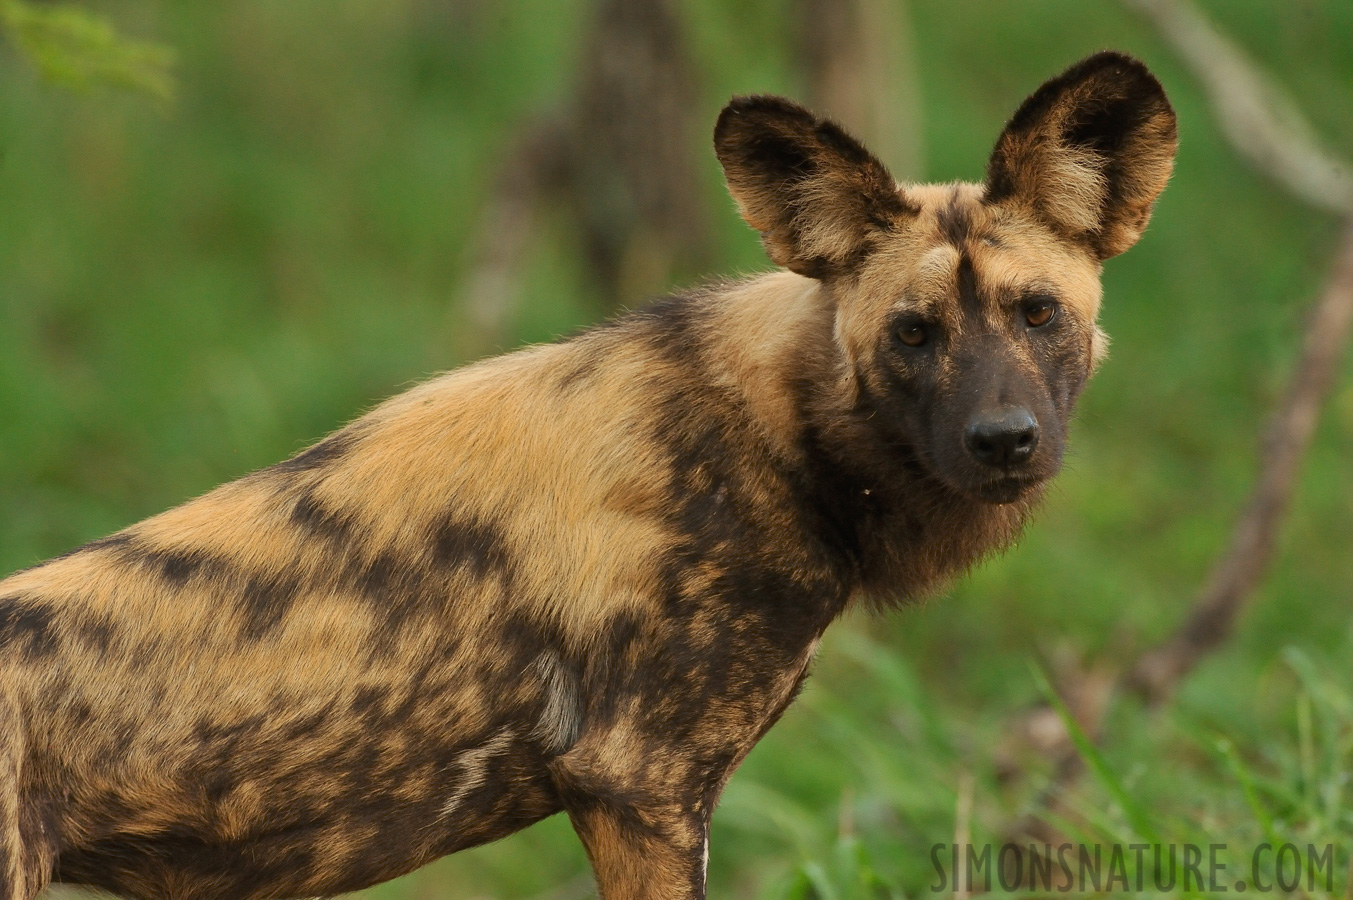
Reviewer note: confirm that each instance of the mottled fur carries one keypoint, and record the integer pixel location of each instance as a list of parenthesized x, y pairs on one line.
[(586, 576)]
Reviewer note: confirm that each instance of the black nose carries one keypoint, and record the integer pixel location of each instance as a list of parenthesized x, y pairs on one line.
[(1003, 439)]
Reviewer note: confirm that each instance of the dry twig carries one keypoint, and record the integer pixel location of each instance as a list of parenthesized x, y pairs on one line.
[(1236, 575), (1265, 125), (1259, 118), (1270, 131)]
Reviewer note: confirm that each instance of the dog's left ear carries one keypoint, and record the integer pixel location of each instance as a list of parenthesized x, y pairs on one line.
[(1089, 152)]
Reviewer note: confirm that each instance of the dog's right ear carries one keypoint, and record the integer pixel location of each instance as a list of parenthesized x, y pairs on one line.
[(814, 192)]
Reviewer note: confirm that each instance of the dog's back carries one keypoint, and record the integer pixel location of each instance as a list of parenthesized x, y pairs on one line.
[(325, 660)]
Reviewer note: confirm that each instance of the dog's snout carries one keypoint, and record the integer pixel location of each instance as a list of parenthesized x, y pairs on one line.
[(1002, 439)]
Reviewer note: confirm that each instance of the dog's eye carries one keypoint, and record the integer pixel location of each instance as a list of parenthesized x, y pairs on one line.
[(913, 334), (1040, 313)]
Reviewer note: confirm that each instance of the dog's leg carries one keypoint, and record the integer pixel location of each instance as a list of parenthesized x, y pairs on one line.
[(643, 852), (25, 857), (642, 815)]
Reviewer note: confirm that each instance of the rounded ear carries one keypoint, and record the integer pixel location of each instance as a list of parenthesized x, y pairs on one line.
[(815, 193), (1089, 152)]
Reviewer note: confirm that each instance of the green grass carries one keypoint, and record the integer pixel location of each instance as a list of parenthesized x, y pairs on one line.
[(189, 293)]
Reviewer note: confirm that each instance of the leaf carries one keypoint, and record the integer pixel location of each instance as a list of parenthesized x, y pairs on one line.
[(80, 50)]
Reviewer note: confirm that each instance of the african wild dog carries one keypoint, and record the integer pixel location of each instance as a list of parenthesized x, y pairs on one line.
[(586, 576)]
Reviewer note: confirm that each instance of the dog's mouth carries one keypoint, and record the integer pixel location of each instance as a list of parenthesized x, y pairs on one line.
[(1009, 486), (1006, 488)]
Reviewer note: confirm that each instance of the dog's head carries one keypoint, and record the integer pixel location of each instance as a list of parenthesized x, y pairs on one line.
[(965, 313)]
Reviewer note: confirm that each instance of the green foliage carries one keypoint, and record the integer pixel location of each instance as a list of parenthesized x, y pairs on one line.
[(186, 298), (1140, 823), (80, 50), (847, 875), (1184, 784)]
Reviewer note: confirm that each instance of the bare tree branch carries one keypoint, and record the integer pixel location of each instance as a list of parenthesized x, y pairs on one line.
[(1157, 674), (1258, 117), (1237, 574), (1263, 123), (1271, 132)]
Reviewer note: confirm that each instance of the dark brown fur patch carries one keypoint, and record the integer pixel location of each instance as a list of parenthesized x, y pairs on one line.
[(26, 628), (327, 451), (955, 222)]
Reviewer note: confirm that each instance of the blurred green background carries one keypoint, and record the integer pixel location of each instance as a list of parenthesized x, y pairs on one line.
[(194, 288)]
